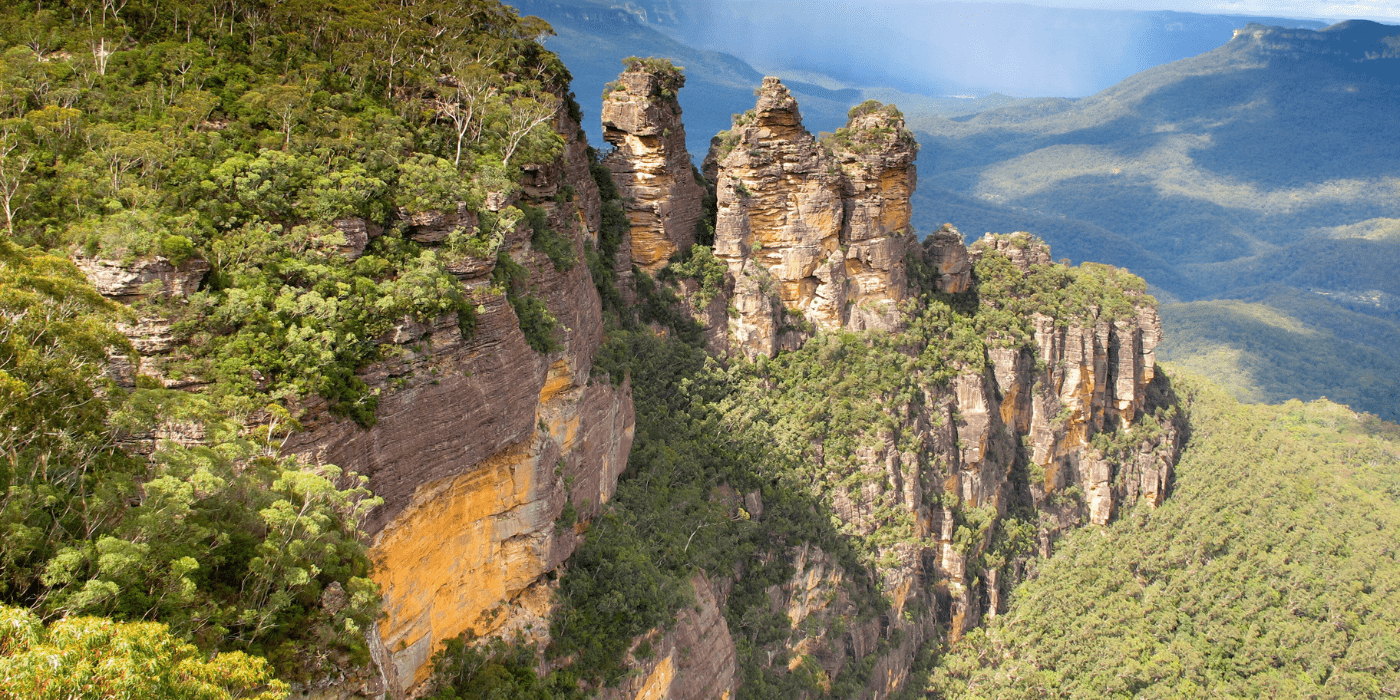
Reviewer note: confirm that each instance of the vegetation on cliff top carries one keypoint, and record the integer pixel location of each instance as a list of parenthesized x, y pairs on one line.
[(111, 504), (1271, 571), (132, 131), (712, 440), (237, 135), (1233, 176)]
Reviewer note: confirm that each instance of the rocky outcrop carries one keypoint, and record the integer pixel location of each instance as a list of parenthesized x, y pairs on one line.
[(479, 442), (945, 252), (1064, 428), (131, 281), (649, 163), (815, 234), (1049, 408)]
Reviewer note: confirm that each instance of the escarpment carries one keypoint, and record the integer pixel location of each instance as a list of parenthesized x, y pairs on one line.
[(1028, 401), (649, 163), (814, 233), (921, 419), (481, 442), (482, 435)]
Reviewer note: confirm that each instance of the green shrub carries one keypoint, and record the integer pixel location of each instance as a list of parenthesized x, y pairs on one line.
[(559, 248)]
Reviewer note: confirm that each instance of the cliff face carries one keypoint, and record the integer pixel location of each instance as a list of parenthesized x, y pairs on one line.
[(650, 165), (977, 458), (814, 234), (480, 443)]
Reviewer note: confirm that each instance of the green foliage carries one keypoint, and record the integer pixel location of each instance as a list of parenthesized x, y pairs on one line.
[(1269, 572), (1080, 295), (669, 78), (729, 140), (669, 519), (864, 138), (92, 658), (539, 326), (559, 248), (231, 548), (467, 670), (602, 260), (871, 107), (238, 136), (700, 264), (286, 305)]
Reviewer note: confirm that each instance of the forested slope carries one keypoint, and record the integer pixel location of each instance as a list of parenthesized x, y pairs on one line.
[(1271, 572)]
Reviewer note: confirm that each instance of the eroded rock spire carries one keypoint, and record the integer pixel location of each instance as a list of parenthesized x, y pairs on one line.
[(814, 232), (650, 166)]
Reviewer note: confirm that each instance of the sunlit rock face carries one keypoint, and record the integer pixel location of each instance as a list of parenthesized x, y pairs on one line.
[(815, 233), (649, 163), (480, 441)]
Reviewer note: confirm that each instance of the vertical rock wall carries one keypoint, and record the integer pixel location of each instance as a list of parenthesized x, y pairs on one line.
[(650, 165), (480, 442)]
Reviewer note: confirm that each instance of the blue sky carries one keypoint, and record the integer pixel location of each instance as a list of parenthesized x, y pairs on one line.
[(1379, 10)]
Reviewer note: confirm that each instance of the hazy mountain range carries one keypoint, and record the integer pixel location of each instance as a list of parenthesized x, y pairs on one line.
[(1264, 171)]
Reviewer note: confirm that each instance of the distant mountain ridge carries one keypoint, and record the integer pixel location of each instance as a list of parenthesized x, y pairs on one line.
[(882, 57), (1272, 160), (941, 48)]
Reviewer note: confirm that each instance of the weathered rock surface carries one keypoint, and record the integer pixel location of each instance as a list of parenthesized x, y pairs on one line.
[(151, 335), (815, 234), (695, 660), (358, 233), (1020, 436), (650, 165), (128, 282), (479, 443), (945, 252)]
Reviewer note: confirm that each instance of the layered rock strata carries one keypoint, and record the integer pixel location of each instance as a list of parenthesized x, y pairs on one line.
[(479, 443), (1023, 435), (649, 163), (814, 234)]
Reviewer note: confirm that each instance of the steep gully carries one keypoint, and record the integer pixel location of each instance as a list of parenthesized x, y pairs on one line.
[(480, 443)]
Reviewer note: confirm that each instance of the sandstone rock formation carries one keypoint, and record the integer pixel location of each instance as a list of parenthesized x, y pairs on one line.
[(815, 234), (129, 282), (945, 252), (1024, 435), (480, 443), (650, 165)]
